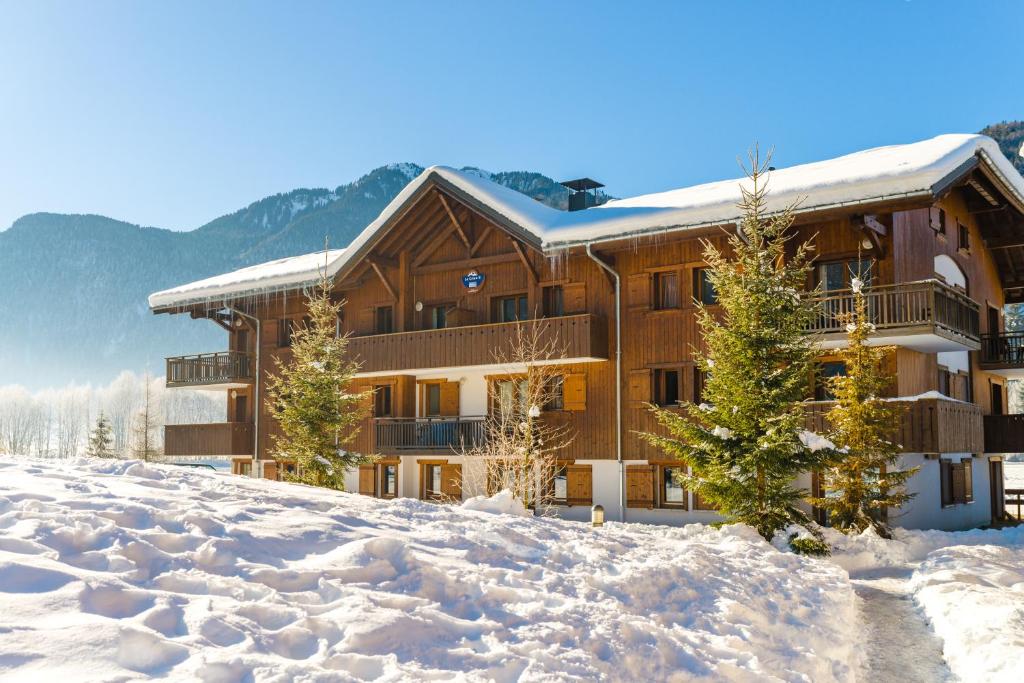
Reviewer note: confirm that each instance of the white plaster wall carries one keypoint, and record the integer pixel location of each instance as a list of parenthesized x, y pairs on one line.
[(925, 510)]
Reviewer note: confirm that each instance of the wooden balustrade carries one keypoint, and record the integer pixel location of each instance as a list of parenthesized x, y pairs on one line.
[(216, 439), (575, 336), (925, 307), (1004, 350), (1004, 433), (393, 435), (223, 367), (931, 425)]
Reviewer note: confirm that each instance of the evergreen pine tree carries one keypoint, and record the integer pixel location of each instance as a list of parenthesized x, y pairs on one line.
[(745, 444), (312, 401), (145, 444), (101, 442), (862, 482)]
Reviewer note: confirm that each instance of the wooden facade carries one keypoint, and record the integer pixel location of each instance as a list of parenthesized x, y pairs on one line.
[(414, 323)]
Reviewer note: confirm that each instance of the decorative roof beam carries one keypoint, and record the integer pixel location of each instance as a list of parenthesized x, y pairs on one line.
[(455, 221)]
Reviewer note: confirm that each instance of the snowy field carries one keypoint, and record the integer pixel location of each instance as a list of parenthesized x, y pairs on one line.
[(112, 570), (1013, 474)]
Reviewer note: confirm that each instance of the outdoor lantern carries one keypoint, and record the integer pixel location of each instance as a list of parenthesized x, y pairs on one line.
[(597, 515)]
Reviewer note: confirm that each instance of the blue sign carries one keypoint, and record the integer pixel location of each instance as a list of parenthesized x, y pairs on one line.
[(473, 280)]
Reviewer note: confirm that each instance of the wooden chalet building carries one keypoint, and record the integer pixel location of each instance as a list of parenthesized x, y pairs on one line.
[(441, 278)]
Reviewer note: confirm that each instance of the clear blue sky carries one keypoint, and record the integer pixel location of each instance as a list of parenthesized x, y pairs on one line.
[(171, 114)]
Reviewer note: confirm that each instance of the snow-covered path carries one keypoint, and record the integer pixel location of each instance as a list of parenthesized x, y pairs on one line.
[(899, 646)]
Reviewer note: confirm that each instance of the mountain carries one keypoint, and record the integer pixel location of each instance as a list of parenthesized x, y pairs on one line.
[(73, 288), (1010, 136)]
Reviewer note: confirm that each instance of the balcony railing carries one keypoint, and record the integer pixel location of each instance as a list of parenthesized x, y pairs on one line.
[(224, 367), (574, 336), (393, 435), (216, 439), (1004, 433), (928, 307), (930, 425), (1002, 351)]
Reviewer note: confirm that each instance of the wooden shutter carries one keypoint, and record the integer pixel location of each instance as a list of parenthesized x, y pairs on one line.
[(957, 470), (946, 481), (640, 486), (365, 322), (574, 298), (579, 484), (450, 399), (933, 218), (574, 392), (368, 480), (968, 467), (638, 290), (451, 481), (640, 387)]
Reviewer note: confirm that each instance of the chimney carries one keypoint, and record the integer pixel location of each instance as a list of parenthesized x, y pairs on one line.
[(582, 193)]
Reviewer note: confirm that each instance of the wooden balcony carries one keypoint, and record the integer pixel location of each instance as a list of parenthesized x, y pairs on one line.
[(926, 316), (1004, 433), (1003, 354), (580, 337), (931, 425), (221, 370), (411, 435), (216, 439)]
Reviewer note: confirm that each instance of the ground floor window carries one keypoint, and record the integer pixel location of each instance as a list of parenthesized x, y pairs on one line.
[(388, 480), (673, 495), (243, 468), (572, 484), (956, 481), (440, 480)]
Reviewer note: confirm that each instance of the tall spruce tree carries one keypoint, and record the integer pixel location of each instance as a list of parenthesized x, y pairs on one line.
[(745, 443), (862, 482), (312, 400), (101, 442)]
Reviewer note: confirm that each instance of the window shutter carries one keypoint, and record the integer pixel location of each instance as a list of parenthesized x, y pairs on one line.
[(365, 321), (574, 392), (368, 480), (640, 486), (946, 481), (640, 387), (701, 504), (579, 485), (451, 481), (574, 298), (957, 470), (968, 466), (933, 218), (638, 290), (450, 399)]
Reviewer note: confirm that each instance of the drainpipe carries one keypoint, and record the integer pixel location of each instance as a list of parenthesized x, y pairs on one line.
[(257, 469), (618, 380)]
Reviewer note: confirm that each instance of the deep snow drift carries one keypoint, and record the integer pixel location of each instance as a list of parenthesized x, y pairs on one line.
[(116, 569)]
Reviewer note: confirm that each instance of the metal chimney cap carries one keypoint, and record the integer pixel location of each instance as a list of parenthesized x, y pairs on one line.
[(582, 184)]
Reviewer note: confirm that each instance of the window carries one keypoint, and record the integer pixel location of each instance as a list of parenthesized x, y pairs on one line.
[(432, 481), (555, 393), (703, 289), (285, 327), (432, 399), (666, 290), (241, 340), (700, 379), (553, 301), (512, 395), (957, 481), (561, 485), (939, 220), (944, 382), (825, 371), (439, 316), (667, 384), (388, 480), (964, 241), (997, 399), (508, 309), (384, 320), (836, 275), (245, 469), (672, 492), (382, 400)]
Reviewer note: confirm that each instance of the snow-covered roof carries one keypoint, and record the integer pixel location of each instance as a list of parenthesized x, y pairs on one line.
[(882, 173), (285, 273)]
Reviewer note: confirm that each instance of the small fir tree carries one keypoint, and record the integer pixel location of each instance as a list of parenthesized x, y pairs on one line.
[(101, 442), (145, 444), (862, 482), (312, 400), (745, 445)]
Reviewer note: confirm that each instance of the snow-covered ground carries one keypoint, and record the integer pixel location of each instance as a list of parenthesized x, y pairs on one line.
[(1013, 474), (968, 587), (112, 570)]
